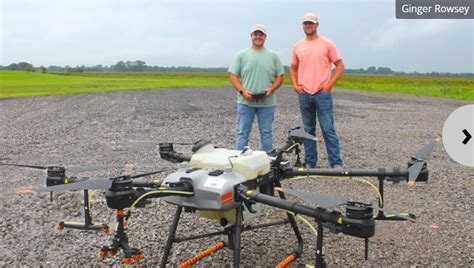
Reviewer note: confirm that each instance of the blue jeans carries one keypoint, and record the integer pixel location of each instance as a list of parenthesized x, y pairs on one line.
[(319, 106), (245, 118)]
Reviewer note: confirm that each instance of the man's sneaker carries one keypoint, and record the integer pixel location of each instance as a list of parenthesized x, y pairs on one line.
[(308, 165), (338, 167)]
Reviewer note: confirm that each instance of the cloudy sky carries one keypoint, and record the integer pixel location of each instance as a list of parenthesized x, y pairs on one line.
[(208, 33)]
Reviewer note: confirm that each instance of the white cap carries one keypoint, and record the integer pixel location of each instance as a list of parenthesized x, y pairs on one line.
[(259, 27), (310, 17)]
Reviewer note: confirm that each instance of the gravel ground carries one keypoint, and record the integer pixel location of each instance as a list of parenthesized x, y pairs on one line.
[(375, 130)]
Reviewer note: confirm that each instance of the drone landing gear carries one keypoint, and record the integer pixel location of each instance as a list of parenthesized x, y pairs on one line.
[(120, 241), (87, 224), (233, 232), (381, 215)]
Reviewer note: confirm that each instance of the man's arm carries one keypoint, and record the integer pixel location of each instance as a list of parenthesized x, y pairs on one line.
[(294, 79), (238, 86), (276, 84), (337, 74)]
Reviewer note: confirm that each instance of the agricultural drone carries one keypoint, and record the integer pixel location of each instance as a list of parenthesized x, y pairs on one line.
[(226, 185)]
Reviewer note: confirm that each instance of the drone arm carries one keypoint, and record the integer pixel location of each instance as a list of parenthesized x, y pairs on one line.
[(181, 188), (141, 195), (146, 183), (353, 226), (320, 214), (394, 172)]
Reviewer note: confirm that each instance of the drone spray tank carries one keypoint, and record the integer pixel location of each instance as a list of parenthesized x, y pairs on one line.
[(214, 173)]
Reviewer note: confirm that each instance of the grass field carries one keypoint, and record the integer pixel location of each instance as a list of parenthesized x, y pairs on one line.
[(15, 84)]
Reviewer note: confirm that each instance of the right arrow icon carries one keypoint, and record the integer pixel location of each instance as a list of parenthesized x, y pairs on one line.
[(468, 136)]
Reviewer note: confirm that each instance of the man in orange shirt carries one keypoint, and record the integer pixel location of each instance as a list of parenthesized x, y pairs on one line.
[(312, 80)]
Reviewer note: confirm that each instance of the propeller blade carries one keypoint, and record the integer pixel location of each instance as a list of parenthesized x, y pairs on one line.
[(415, 170), (92, 184), (146, 143), (79, 169), (83, 185), (410, 219), (151, 173), (142, 143), (27, 166), (302, 134), (321, 200), (425, 152)]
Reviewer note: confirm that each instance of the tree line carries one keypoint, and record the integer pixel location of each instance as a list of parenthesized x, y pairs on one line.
[(140, 66)]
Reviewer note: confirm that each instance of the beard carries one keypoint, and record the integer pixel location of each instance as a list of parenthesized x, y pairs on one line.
[(310, 32)]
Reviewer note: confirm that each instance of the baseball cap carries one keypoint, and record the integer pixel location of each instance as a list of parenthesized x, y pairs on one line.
[(310, 17), (259, 27)]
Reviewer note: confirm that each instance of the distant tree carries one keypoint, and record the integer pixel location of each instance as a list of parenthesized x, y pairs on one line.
[(371, 69), (54, 68), (43, 69), (119, 67), (77, 69), (384, 70), (13, 66)]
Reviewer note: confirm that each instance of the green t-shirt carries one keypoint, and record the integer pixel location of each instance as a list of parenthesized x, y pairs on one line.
[(257, 70)]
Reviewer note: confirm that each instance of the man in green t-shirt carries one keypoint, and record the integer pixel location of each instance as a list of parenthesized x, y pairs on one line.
[(256, 73)]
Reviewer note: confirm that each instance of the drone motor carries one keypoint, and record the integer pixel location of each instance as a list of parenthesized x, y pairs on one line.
[(121, 194), (55, 175), (359, 221)]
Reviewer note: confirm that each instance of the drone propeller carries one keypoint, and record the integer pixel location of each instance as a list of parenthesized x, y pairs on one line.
[(322, 200), (333, 201), (71, 168), (408, 218), (146, 143), (419, 159), (299, 133), (93, 183)]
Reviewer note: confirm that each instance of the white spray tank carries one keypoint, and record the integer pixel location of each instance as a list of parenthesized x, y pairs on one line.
[(247, 163)]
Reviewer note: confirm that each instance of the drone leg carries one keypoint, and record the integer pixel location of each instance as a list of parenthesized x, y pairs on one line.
[(87, 214), (171, 236), (51, 196), (120, 241), (320, 263), (366, 249), (381, 215), (237, 236), (293, 223)]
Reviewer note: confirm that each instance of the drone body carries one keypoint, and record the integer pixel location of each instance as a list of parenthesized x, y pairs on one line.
[(214, 173)]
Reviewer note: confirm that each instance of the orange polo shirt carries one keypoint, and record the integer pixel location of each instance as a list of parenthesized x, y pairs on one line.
[(314, 59)]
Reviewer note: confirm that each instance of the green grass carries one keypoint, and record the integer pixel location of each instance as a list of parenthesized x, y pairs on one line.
[(446, 87), (15, 84)]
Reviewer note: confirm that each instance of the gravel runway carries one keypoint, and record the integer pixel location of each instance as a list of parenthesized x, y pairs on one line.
[(375, 130)]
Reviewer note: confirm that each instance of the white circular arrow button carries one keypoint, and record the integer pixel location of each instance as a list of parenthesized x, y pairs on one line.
[(458, 132)]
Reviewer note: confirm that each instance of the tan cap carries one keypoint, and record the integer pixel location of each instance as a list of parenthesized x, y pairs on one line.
[(310, 17), (259, 27)]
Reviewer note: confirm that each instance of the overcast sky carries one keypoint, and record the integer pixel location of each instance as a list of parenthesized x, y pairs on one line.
[(209, 33)]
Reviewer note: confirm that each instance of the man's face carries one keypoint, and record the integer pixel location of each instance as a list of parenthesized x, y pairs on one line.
[(310, 28), (258, 38)]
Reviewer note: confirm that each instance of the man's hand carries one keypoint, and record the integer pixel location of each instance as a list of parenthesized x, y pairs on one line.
[(298, 89), (268, 92), (326, 87), (246, 95)]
